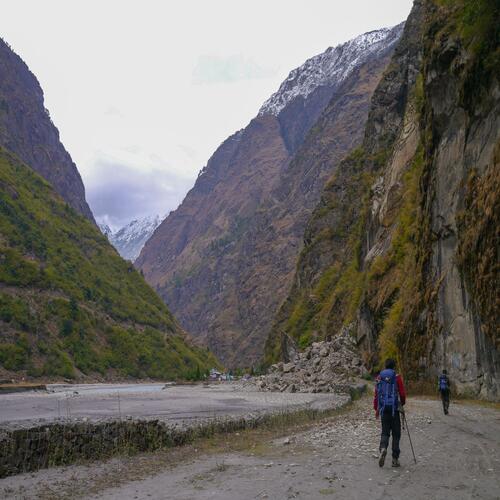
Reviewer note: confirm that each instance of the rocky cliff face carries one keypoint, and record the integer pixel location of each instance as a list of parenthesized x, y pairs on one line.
[(223, 261), (27, 130), (403, 246), (461, 194)]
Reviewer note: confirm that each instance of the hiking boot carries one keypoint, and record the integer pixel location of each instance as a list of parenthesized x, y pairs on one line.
[(395, 462), (381, 457)]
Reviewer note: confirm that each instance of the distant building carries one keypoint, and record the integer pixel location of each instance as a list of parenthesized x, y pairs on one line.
[(217, 375)]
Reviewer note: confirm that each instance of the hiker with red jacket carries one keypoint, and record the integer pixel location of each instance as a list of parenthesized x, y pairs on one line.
[(390, 396)]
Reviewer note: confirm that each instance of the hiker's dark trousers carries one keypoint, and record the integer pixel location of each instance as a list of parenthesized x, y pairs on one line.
[(390, 425), (445, 398)]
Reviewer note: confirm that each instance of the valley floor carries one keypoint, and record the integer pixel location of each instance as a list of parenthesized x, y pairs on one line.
[(458, 456), (176, 404)]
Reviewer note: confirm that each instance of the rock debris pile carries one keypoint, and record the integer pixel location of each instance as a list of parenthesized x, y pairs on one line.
[(328, 366)]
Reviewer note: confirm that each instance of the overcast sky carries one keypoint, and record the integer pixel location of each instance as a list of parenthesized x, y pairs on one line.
[(144, 91)]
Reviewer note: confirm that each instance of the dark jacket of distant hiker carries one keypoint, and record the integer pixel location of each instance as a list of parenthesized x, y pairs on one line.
[(444, 389)]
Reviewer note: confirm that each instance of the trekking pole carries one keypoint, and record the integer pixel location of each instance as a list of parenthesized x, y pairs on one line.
[(405, 424)]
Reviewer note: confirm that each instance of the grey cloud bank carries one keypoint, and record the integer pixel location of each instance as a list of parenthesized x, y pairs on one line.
[(119, 193)]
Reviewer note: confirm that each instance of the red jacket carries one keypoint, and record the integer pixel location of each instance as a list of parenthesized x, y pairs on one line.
[(401, 392)]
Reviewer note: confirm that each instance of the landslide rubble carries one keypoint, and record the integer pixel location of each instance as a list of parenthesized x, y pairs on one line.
[(332, 365)]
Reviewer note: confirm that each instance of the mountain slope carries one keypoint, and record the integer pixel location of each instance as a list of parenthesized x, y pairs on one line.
[(403, 246), (223, 261), (69, 305), (27, 130)]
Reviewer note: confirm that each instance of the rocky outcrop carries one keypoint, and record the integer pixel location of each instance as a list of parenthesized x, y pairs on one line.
[(27, 130), (224, 260), (403, 246), (331, 365)]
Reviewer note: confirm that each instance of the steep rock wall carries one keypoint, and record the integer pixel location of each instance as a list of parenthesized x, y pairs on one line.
[(404, 243)]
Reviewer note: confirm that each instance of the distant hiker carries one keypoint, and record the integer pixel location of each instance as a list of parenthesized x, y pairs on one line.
[(444, 389), (390, 396)]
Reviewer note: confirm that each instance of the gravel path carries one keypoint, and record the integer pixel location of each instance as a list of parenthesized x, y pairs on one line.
[(458, 458)]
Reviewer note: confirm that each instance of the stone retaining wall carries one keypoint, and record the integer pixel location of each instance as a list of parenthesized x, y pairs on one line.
[(13, 388), (63, 443)]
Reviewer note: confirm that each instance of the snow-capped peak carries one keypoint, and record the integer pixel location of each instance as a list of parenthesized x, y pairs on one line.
[(105, 229), (130, 239), (331, 67), (137, 228)]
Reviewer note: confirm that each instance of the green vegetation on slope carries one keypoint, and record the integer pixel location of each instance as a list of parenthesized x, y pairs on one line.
[(335, 290), (68, 302), (336, 228), (392, 279), (386, 283)]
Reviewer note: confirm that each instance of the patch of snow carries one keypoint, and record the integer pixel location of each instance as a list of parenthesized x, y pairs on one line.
[(130, 239), (331, 67), (105, 229)]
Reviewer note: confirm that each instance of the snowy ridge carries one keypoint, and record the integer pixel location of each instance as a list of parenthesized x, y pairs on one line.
[(331, 67), (130, 239), (105, 229), (137, 228)]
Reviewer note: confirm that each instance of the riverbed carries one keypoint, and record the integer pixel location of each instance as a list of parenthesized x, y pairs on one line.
[(169, 403)]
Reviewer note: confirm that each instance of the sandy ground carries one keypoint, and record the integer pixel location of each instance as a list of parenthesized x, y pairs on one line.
[(458, 457), (173, 404)]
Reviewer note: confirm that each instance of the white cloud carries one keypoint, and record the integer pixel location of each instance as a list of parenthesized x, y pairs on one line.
[(233, 68), (113, 111)]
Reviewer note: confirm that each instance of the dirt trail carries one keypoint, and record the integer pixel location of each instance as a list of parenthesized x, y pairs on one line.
[(458, 458)]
